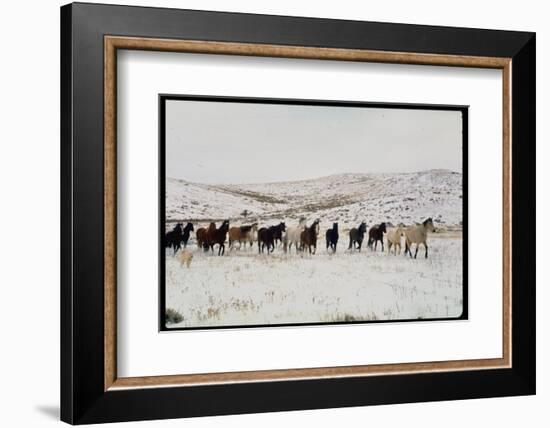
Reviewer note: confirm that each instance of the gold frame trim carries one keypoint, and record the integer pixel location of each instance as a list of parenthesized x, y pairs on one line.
[(113, 43)]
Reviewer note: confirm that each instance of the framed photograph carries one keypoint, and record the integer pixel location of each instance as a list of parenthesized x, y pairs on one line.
[(265, 213), (304, 188)]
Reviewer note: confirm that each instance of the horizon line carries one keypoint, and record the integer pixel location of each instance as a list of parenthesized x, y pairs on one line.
[(315, 178)]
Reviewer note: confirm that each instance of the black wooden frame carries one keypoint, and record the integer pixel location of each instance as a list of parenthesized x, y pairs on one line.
[(83, 399)]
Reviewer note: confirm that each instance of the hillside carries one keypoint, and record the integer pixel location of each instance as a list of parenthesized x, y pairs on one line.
[(345, 198)]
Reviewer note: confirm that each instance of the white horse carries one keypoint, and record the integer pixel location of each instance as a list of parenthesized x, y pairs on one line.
[(292, 236), (394, 239), (418, 234)]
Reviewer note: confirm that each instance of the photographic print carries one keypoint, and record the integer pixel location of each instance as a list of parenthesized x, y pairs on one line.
[(278, 212)]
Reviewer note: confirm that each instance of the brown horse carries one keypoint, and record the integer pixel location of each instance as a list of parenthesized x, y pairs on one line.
[(376, 233), (217, 236), (308, 238), (201, 235)]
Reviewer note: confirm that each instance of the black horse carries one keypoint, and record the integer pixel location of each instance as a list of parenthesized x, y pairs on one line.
[(356, 236), (268, 236), (278, 233), (173, 236), (177, 236), (332, 237), (185, 235), (376, 233)]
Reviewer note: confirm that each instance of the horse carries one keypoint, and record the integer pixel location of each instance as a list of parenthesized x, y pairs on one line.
[(217, 236), (309, 237), (184, 236), (242, 234), (174, 235), (331, 236), (418, 234), (278, 232), (376, 233), (292, 236), (201, 236), (266, 238), (394, 239), (356, 236)]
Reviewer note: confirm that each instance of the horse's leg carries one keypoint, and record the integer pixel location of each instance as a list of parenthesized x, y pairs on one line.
[(416, 252), (382, 243), (426, 246)]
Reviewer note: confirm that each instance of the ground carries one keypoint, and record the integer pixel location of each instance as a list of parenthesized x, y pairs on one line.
[(244, 288)]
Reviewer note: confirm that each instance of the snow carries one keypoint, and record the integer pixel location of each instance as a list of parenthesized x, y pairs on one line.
[(244, 288)]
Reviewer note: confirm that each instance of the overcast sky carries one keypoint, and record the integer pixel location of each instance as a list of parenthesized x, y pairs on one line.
[(221, 142)]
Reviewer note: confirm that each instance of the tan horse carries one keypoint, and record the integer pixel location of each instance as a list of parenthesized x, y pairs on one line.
[(242, 234), (418, 234), (394, 239)]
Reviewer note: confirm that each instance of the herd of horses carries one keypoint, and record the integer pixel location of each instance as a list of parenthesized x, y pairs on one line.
[(302, 236)]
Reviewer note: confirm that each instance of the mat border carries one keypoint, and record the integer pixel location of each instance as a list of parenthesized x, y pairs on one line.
[(90, 35)]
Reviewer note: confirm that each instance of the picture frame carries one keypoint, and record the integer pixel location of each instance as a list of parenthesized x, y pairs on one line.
[(91, 390)]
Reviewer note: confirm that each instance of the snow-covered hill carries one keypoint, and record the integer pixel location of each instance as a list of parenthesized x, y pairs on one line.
[(344, 198)]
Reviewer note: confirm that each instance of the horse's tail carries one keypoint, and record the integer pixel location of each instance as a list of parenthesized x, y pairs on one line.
[(369, 243)]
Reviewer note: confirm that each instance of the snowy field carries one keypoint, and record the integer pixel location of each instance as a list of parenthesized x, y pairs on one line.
[(244, 288)]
